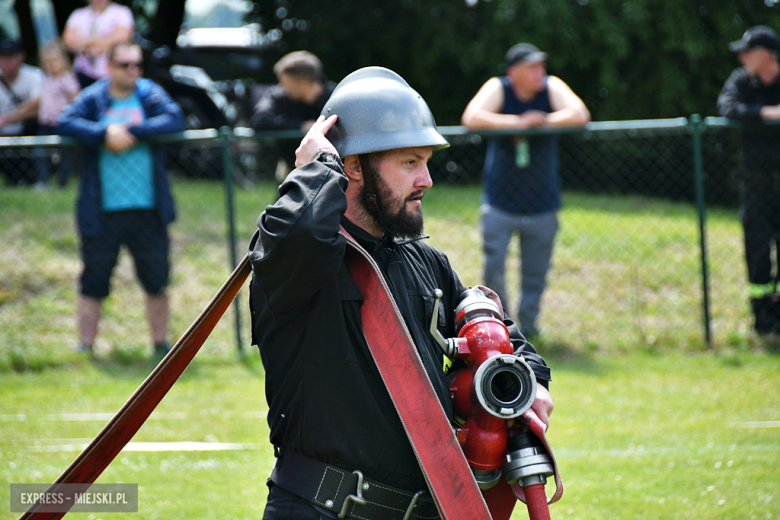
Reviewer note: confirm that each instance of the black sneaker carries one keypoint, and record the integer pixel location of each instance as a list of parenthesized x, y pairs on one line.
[(775, 312), (162, 348), (86, 350), (762, 311), (81, 347)]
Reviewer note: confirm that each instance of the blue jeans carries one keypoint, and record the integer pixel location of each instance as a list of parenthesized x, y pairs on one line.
[(537, 236)]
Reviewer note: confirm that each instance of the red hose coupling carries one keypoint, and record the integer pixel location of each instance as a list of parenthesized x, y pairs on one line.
[(495, 386)]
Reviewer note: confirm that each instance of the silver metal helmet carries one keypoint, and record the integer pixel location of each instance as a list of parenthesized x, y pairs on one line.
[(379, 111)]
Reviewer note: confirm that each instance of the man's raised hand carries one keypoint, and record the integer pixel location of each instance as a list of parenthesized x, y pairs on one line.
[(315, 140)]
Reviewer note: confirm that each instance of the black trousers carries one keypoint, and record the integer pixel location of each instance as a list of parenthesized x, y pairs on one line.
[(761, 223), (283, 505)]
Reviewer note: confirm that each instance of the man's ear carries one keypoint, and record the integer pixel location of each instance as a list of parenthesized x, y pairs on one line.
[(352, 168)]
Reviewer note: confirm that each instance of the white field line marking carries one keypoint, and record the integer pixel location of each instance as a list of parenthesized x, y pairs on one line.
[(755, 424), (176, 416), (565, 452), (156, 446), (61, 445)]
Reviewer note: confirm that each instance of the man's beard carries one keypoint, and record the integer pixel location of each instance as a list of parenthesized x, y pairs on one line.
[(392, 215)]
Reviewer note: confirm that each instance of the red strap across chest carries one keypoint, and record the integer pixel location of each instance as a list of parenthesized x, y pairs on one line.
[(445, 467)]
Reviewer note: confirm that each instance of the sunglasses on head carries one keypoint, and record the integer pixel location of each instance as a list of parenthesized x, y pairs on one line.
[(128, 65)]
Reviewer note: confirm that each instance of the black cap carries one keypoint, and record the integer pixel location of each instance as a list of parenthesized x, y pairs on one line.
[(758, 36), (10, 47), (524, 53)]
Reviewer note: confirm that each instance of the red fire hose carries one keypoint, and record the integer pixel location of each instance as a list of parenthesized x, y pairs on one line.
[(534, 462), (536, 501), (106, 446)]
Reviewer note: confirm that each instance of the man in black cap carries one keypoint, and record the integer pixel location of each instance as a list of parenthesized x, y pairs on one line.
[(752, 94), (20, 87), (522, 188)]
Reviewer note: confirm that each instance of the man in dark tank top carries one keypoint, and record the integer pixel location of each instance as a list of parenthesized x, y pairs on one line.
[(522, 187)]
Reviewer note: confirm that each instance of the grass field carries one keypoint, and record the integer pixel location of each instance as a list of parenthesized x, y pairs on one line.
[(648, 424), (637, 436), (625, 275)]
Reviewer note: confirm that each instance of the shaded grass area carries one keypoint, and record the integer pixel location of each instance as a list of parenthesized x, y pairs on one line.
[(646, 426), (626, 271), (38, 282), (636, 435), (625, 274)]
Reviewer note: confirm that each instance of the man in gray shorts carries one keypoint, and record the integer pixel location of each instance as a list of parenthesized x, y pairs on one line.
[(522, 187)]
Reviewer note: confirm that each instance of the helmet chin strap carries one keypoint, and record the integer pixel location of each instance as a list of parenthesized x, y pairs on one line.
[(369, 184)]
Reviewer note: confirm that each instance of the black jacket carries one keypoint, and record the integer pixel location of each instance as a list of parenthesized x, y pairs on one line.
[(276, 111), (742, 98), (325, 395)]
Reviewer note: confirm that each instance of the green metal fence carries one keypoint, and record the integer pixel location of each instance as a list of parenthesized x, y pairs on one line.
[(649, 223)]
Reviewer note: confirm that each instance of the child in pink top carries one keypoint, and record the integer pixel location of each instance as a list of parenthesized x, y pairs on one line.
[(59, 87), (89, 33)]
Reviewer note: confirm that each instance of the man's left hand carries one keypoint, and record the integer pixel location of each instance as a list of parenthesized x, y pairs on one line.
[(770, 112), (543, 405), (118, 138)]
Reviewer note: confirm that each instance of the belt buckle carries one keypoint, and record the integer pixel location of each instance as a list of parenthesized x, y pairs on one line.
[(412, 505), (354, 498)]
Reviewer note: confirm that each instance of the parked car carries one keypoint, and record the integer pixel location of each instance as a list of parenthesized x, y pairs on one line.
[(210, 75)]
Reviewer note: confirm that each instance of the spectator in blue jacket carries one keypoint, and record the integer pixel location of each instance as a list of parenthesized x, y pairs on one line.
[(124, 195)]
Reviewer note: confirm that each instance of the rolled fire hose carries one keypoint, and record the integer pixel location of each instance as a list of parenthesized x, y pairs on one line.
[(128, 420)]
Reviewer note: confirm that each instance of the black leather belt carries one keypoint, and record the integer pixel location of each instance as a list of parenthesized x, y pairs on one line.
[(349, 494)]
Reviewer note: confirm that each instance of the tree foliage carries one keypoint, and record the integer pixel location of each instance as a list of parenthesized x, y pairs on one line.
[(628, 59), (632, 59)]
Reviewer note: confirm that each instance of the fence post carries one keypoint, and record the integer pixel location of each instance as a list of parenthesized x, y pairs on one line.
[(696, 125), (226, 133)]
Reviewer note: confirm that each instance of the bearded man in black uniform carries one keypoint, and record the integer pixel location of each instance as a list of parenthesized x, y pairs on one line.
[(363, 168)]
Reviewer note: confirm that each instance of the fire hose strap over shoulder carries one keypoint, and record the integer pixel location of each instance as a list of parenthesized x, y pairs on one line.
[(441, 459)]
